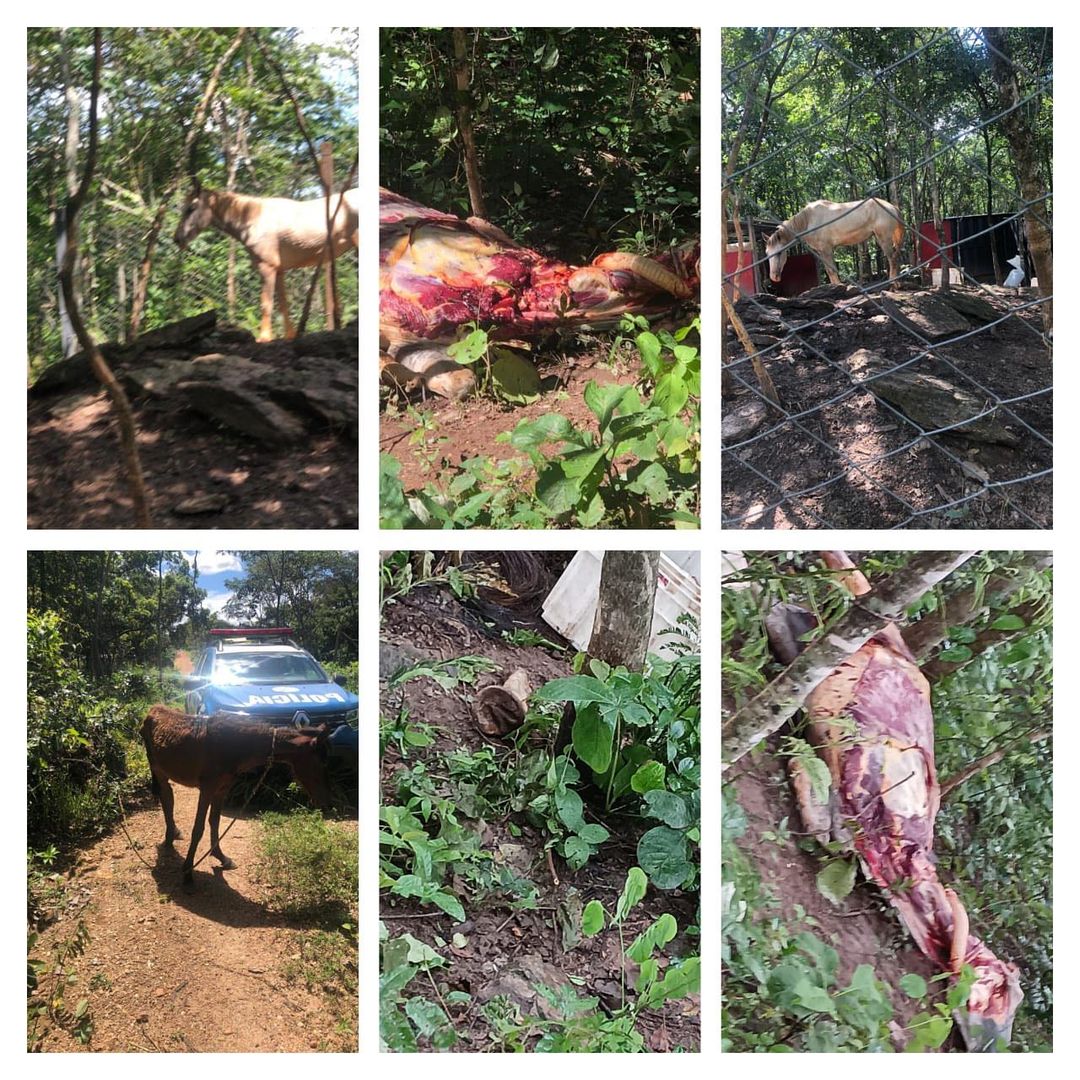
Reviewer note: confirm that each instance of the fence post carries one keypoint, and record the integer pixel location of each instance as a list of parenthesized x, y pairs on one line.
[(326, 170)]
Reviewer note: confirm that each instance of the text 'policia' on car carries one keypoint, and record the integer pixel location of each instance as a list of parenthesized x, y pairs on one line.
[(262, 672)]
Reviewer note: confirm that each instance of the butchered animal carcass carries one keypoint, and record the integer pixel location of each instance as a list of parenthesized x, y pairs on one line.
[(439, 272), (872, 724)]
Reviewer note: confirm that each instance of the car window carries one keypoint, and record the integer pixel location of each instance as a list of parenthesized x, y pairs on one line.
[(261, 668)]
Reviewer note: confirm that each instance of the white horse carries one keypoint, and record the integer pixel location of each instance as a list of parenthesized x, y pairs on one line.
[(823, 226), (279, 234)]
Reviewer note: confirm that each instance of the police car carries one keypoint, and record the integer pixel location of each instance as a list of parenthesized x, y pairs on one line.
[(261, 672)]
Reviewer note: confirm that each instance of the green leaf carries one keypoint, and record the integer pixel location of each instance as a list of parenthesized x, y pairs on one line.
[(913, 985), (576, 852), (470, 348), (649, 777), (955, 654), (836, 880), (813, 997), (656, 936), (592, 918), (580, 689), (515, 379), (593, 834), (568, 805), (593, 738), (663, 854), (450, 904), (532, 434), (633, 892), (648, 345), (670, 808), (1008, 622)]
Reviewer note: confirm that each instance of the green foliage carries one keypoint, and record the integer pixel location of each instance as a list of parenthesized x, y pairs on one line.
[(435, 853), (76, 740), (604, 123), (309, 865), (403, 1020), (639, 736), (113, 604), (46, 985), (850, 106), (580, 1026), (640, 468), (316, 593)]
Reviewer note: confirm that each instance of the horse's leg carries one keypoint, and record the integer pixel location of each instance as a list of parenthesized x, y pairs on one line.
[(830, 265), (269, 273), (215, 821), (890, 254), (167, 802), (283, 304), (196, 834)]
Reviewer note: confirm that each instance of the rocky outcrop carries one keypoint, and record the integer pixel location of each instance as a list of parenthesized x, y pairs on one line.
[(278, 392)]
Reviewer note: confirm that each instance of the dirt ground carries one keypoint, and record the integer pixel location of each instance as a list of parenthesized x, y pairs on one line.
[(468, 429), (849, 461), (167, 970), (74, 479), (519, 948)]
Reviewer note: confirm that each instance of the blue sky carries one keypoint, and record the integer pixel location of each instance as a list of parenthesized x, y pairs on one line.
[(215, 567)]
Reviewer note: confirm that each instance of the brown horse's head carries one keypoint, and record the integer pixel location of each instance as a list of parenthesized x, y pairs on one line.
[(776, 249), (306, 751), (196, 215)]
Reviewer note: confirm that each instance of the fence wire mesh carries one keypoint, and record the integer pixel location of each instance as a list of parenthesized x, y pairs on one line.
[(920, 400), (213, 272)]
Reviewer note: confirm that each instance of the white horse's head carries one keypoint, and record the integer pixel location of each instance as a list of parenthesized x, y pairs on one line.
[(196, 216), (776, 248)]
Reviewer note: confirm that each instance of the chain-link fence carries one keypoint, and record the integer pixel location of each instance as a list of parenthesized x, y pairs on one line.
[(916, 400), (215, 271)]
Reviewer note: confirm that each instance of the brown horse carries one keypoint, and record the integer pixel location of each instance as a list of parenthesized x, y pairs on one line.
[(279, 234), (824, 226), (208, 752)]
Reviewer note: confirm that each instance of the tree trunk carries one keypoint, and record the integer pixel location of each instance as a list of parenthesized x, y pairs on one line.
[(784, 696), (67, 234), (622, 625), (464, 118), (1024, 147)]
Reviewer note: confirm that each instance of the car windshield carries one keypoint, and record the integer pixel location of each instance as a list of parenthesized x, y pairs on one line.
[(235, 668)]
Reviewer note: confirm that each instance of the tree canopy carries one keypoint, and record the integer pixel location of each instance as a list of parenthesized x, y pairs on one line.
[(588, 138)]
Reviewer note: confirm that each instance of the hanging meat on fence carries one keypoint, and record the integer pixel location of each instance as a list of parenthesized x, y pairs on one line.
[(871, 722)]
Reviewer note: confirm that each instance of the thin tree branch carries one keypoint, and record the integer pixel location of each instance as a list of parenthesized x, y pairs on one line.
[(125, 419), (992, 758)]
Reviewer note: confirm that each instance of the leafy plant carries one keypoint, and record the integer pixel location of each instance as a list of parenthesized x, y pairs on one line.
[(46, 985), (582, 1026), (405, 1020), (308, 864)]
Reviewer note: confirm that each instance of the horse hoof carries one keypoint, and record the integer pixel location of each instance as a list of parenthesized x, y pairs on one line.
[(226, 862)]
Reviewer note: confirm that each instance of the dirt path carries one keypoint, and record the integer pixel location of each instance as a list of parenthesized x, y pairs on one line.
[(170, 971)]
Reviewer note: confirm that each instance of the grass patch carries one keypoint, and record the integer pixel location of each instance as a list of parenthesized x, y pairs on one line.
[(309, 866)]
